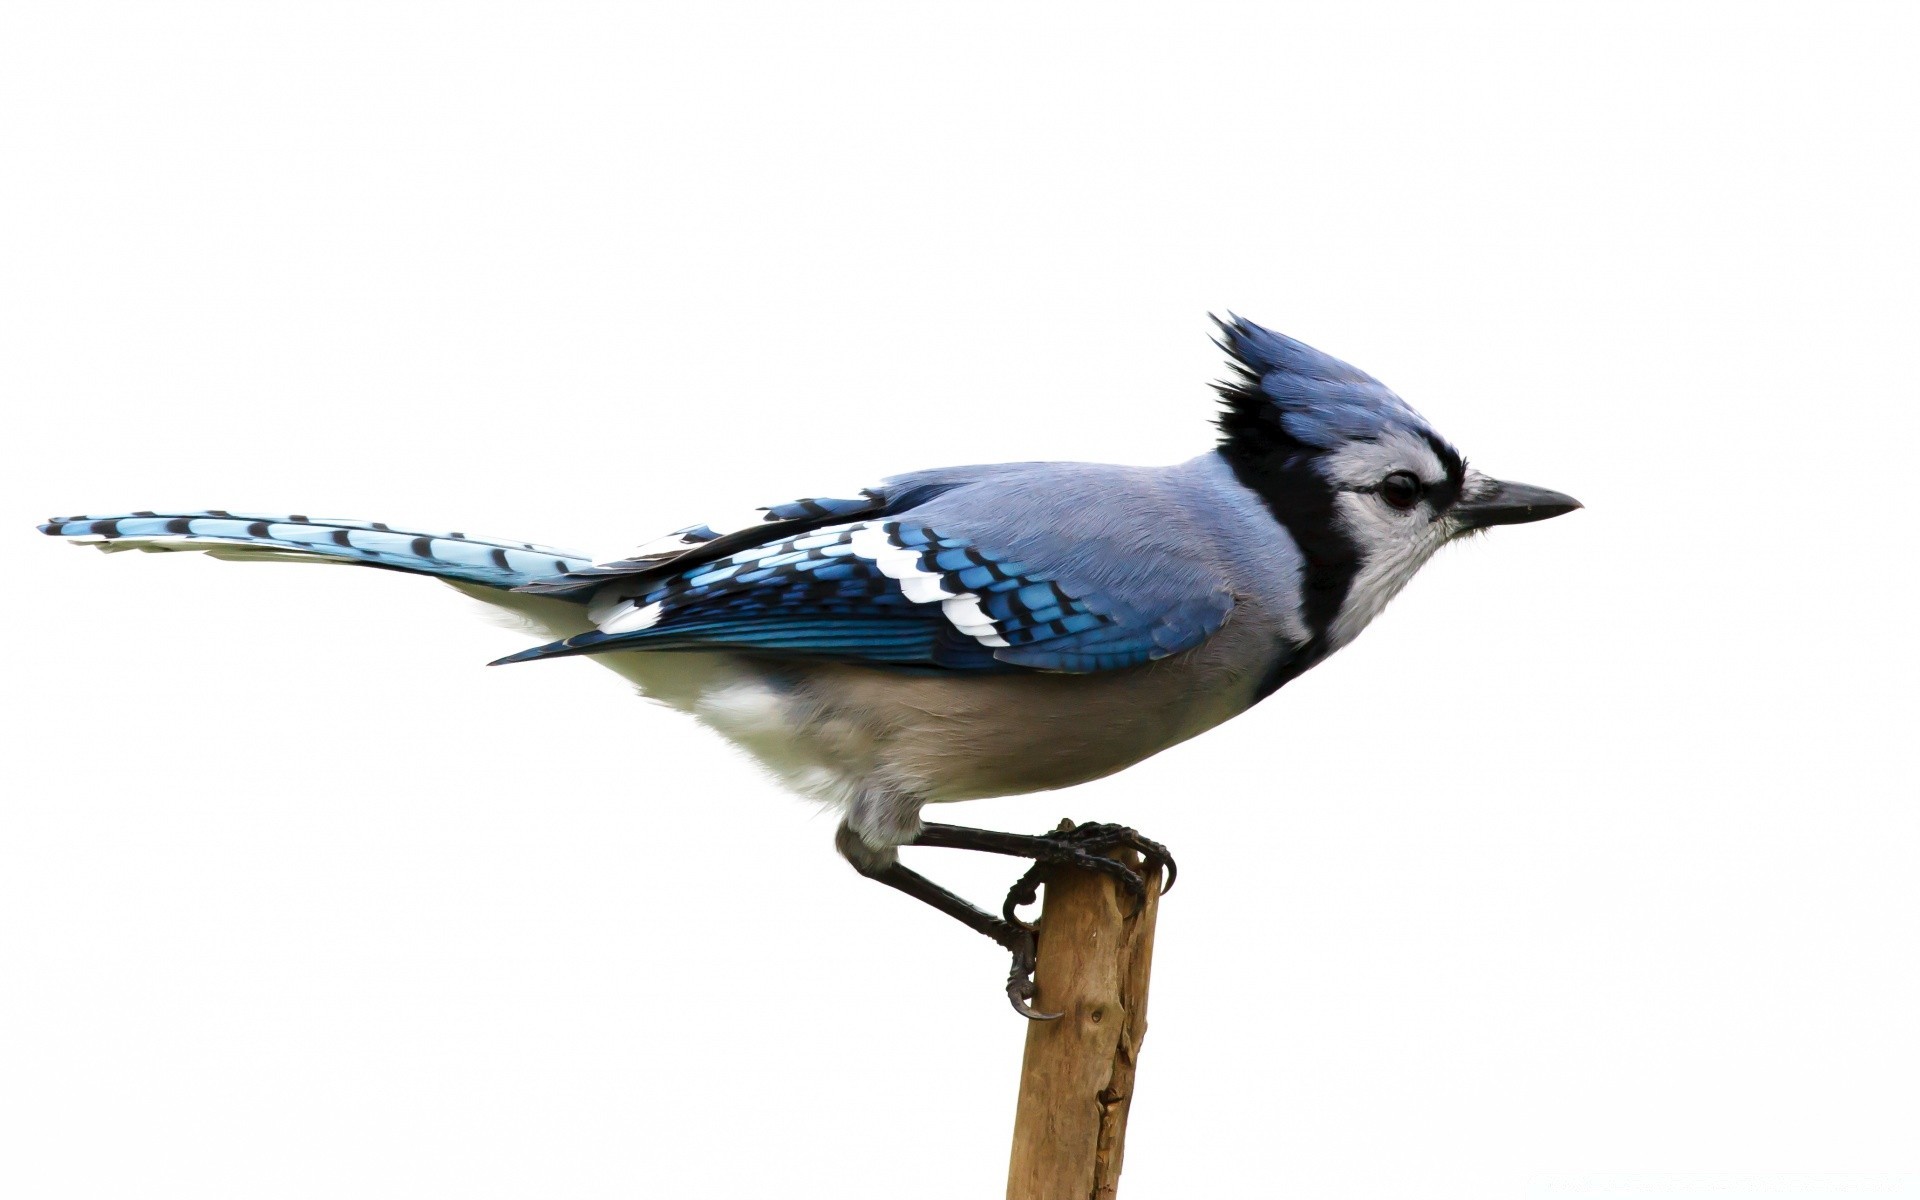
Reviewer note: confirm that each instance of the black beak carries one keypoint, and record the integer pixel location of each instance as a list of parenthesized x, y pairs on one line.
[(1511, 504)]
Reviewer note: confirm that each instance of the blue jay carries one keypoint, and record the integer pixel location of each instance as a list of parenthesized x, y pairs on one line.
[(987, 630)]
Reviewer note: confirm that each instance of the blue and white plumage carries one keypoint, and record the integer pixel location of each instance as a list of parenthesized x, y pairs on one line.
[(976, 631), (298, 538), (944, 584)]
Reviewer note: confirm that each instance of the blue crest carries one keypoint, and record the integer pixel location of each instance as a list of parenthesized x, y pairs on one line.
[(1314, 399)]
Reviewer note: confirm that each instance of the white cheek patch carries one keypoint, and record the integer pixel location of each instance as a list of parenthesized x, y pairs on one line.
[(925, 587), (1392, 549), (1364, 464)]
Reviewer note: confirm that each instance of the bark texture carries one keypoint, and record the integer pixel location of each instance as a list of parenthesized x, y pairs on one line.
[(1076, 1083)]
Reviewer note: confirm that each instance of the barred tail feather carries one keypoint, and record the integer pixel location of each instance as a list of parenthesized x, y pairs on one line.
[(295, 538)]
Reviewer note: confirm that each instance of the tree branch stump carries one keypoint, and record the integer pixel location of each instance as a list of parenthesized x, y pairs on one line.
[(1076, 1082)]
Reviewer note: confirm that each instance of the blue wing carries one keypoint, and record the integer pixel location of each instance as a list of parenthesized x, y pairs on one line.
[(696, 544), (915, 590)]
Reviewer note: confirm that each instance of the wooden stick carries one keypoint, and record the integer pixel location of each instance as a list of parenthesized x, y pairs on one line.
[(1076, 1083)]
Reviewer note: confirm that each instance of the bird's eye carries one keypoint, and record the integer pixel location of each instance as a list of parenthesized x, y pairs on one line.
[(1401, 489)]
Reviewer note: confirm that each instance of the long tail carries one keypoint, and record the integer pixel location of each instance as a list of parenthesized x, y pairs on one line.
[(295, 538)]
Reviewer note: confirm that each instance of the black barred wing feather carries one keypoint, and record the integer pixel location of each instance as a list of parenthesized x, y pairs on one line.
[(697, 544), (890, 591)]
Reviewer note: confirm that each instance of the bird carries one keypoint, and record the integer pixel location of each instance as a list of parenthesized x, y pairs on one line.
[(965, 632)]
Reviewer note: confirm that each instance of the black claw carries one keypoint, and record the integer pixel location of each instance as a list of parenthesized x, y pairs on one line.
[(1021, 988), (1086, 842), (1025, 890), (1082, 847), (1079, 846)]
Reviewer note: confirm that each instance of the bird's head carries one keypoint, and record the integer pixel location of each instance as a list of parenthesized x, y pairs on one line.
[(1366, 487)]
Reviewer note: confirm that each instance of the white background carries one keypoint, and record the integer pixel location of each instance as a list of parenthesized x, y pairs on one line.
[(1590, 870)]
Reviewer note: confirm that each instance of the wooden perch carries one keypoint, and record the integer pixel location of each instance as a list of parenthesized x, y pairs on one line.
[(1076, 1083)]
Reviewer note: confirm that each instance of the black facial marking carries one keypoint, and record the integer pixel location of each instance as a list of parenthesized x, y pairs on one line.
[(1279, 468), (1454, 468)]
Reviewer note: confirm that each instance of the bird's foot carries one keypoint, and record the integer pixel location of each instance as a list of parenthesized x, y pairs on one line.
[(1084, 846), (1080, 846), (1019, 939)]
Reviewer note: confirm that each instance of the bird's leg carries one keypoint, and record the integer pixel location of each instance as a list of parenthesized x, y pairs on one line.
[(1071, 845), (1078, 846), (1017, 937)]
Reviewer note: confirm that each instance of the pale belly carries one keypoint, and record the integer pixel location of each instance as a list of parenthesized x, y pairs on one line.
[(833, 731)]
